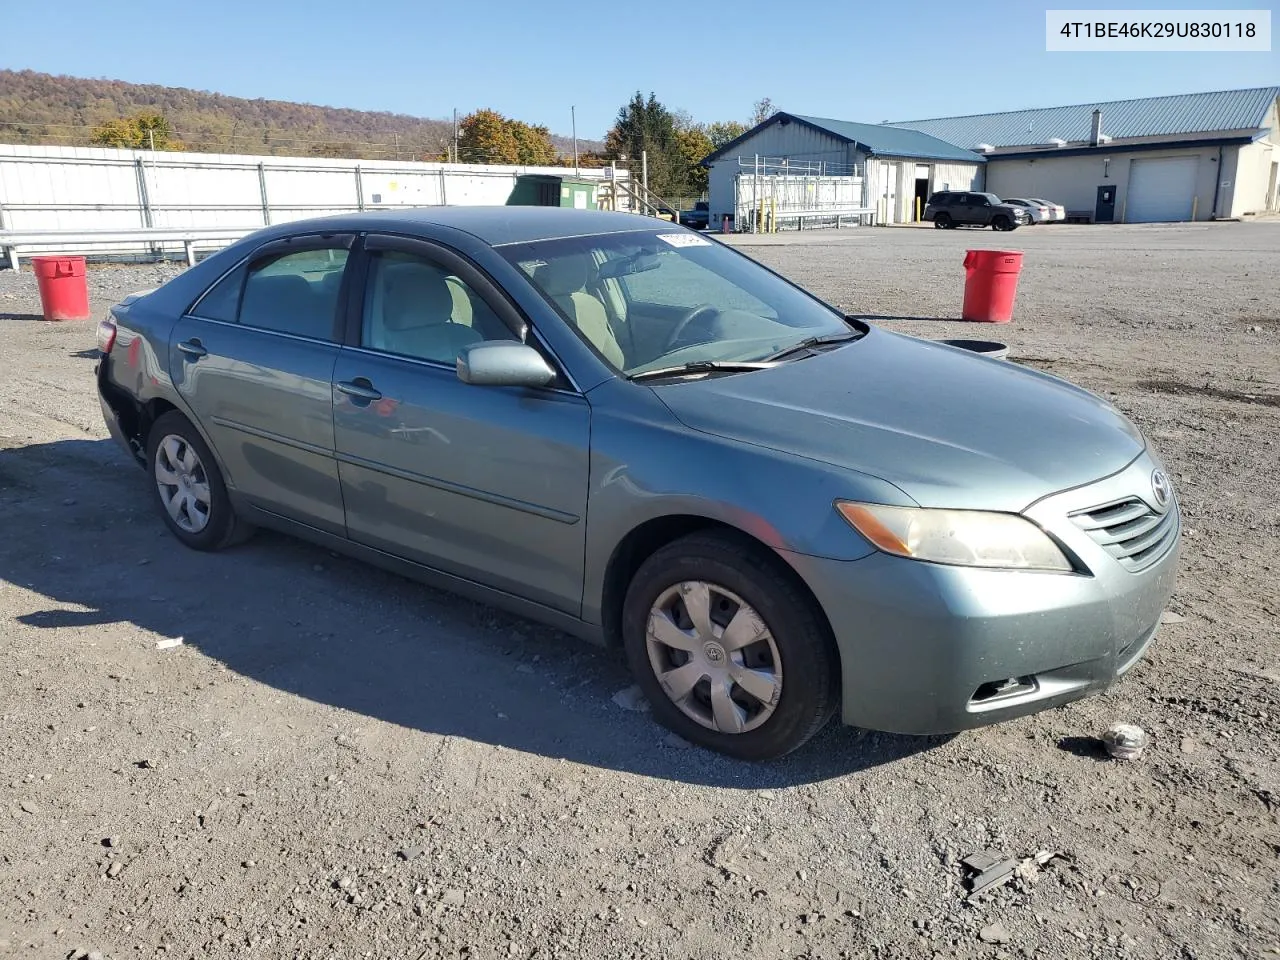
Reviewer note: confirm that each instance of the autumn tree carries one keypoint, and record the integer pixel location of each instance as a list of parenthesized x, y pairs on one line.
[(484, 137), (693, 144), (533, 144), (148, 129)]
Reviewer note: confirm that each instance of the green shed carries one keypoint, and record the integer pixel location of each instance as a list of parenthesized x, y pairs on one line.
[(548, 190)]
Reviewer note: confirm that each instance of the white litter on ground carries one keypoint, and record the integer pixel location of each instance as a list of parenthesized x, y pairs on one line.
[(168, 642)]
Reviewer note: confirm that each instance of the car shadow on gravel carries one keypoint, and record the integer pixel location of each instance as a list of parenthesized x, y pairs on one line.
[(82, 532)]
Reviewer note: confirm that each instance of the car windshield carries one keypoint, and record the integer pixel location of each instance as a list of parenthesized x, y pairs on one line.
[(662, 298)]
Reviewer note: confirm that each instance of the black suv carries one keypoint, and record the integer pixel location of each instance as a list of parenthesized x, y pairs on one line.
[(951, 208)]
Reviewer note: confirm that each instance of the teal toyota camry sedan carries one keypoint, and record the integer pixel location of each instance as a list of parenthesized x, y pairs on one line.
[(637, 434)]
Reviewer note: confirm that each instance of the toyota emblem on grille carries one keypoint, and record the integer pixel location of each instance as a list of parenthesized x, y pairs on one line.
[(1161, 488)]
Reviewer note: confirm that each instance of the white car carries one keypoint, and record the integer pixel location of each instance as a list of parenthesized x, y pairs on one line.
[(1037, 210), (1058, 210)]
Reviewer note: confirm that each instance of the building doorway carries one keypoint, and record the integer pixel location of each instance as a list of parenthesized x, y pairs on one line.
[(922, 191)]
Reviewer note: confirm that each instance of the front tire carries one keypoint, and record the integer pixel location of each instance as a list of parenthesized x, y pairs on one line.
[(730, 651), (1001, 223), (188, 486)]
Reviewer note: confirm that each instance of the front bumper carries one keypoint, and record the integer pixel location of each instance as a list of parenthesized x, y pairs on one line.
[(928, 648)]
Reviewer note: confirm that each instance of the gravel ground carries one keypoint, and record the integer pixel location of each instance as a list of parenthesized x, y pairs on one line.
[(336, 762)]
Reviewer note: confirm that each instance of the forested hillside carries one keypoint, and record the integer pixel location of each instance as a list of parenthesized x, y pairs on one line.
[(42, 108)]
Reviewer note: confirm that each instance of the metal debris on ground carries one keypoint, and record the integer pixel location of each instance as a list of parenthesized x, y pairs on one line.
[(987, 870), (1125, 741), (168, 642)]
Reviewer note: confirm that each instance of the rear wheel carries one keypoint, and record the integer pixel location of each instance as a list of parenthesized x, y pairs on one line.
[(942, 221), (729, 650), (188, 486)]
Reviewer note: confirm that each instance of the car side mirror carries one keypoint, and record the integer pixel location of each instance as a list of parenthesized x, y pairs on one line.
[(502, 363)]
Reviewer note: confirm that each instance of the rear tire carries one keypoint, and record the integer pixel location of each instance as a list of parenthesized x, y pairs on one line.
[(942, 221), (188, 487), (761, 628)]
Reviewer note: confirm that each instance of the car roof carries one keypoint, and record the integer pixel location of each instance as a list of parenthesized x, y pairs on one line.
[(495, 225)]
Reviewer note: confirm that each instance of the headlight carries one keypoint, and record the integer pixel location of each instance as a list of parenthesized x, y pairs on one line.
[(970, 538)]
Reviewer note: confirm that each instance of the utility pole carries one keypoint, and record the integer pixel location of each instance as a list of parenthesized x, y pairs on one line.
[(455, 134), (573, 115)]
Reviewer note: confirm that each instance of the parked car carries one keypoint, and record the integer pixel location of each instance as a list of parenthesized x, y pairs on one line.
[(955, 208), (1039, 212), (1057, 211), (642, 436), (696, 218)]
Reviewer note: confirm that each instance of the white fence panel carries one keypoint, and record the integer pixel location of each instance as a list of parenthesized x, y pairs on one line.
[(179, 195), (96, 188)]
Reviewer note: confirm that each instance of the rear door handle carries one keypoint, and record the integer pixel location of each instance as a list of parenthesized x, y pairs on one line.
[(193, 348), (360, 388)]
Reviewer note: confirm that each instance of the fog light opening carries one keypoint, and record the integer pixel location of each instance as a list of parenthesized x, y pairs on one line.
[(1004, 689)]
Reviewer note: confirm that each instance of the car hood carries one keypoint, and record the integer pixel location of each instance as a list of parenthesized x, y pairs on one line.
[(948, 427)]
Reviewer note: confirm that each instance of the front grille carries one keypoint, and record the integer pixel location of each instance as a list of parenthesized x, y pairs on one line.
[(1130, 530)]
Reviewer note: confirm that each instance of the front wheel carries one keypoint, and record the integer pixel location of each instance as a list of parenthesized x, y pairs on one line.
[(730, 651), (188, 486), (1001, 223)]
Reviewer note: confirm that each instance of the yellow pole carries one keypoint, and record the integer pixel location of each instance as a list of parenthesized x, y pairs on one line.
[(773, 214), (918, 210)]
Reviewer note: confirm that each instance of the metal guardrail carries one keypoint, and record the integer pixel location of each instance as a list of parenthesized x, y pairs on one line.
[(829, 213), (16, 243)]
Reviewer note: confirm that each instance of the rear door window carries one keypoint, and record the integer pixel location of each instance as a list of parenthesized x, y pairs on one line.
[(222, 300), (296, 293)]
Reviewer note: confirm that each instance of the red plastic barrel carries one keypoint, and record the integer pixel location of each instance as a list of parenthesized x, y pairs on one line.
[(990, 283), (64, 291)]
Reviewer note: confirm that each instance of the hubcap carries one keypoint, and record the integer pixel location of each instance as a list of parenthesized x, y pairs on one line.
[(183, 483), (714, 656)]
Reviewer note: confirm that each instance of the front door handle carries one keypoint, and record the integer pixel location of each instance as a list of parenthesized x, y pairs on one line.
[(193, 348), (360, 388)]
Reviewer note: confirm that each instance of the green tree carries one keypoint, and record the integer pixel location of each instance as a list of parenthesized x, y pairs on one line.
[(646, 127), (724, 131), (486, 137)]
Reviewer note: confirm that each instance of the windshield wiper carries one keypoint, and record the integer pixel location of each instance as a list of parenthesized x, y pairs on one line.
[(810, 342), (702, 366)]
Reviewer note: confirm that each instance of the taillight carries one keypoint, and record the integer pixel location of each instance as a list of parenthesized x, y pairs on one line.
[(106, 335)]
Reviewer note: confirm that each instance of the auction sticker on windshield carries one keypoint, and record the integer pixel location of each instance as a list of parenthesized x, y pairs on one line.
[(684, 240)]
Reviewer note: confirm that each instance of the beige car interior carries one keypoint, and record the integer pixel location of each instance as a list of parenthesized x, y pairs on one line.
[(565, 280), (418, 310)]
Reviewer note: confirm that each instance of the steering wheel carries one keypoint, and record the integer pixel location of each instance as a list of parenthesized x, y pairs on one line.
[(674, 337)]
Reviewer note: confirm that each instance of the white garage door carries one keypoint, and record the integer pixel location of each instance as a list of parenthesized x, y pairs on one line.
[(1161, 190)]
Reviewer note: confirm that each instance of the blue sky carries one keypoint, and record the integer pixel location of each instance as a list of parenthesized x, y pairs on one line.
[(853, 61)]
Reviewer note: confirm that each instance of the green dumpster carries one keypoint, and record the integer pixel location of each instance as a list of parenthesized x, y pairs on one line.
[(549, 190)]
